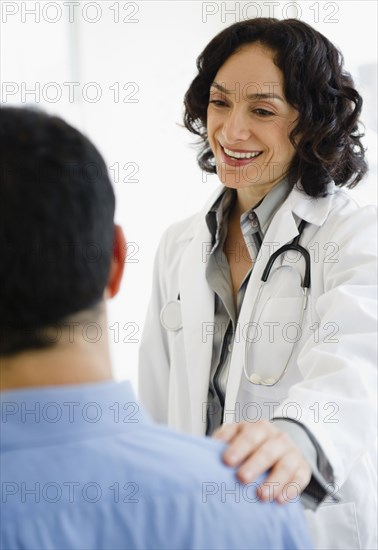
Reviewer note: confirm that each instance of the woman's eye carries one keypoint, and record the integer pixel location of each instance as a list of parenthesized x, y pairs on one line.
[(263, 112), (217, 102)]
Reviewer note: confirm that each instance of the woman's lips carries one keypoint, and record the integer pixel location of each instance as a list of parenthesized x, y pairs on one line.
[(236, 162)]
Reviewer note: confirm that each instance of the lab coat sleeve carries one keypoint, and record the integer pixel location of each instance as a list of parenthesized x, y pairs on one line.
[(337, 396), (153, 373), (322, 480)]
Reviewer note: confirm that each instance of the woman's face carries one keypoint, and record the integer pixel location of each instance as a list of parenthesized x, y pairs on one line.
[(249, 120)]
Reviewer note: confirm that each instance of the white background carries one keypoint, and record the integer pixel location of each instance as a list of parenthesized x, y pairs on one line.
[(147, 51)]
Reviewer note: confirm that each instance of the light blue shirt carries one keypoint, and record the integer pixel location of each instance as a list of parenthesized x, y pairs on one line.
[(83, 467)]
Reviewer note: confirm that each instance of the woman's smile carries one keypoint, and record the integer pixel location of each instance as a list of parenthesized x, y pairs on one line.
[(238, 157)]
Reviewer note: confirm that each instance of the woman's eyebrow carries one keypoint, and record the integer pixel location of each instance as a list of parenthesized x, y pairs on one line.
[(248, 96)]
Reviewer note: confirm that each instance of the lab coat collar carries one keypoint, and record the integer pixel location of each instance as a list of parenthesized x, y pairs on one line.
[(313, 210)]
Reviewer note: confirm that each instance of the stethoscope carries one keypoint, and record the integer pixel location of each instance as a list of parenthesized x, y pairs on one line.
[(255, 378), (170, 316)]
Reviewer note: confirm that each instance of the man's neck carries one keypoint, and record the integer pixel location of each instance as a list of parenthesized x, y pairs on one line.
[(60, 366)]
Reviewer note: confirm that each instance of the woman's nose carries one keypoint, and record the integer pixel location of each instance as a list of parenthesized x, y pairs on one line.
[(236, 126)]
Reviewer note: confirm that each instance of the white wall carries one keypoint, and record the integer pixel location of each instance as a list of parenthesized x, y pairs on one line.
[(150, 48)]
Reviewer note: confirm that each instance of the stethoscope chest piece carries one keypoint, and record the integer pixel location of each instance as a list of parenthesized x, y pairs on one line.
[(170, 315), (258, 380)]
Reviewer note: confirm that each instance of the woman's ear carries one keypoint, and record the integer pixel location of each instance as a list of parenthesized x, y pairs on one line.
[(117, 264)]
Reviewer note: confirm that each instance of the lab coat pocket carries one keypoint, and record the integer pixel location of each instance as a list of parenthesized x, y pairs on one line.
[(273, 337)]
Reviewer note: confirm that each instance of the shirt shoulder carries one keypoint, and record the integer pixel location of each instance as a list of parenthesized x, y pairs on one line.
[(189, 470), (146, 487)]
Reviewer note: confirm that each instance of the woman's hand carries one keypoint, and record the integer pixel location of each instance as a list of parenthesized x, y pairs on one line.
[(255, 447)]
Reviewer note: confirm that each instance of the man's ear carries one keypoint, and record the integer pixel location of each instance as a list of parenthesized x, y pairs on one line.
[(117, 264)]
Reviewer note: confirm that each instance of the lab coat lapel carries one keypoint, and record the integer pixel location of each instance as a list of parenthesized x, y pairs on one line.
[(197, 306)]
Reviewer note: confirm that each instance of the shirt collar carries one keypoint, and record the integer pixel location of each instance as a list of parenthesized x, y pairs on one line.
[(265, 210), (43, 415), (218, 214)]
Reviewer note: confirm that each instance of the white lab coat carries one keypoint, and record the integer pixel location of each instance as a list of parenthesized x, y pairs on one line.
[(330, 385)]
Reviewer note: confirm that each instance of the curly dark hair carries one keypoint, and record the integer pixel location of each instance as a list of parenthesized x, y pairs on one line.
[(326, 138)]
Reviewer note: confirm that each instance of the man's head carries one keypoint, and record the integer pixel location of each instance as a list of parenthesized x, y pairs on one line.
[(57, 230)]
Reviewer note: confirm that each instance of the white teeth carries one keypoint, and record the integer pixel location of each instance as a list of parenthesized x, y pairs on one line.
[(237, 155)]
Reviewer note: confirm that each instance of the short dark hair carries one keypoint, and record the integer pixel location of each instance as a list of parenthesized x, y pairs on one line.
[(57, 225), (328, 140)]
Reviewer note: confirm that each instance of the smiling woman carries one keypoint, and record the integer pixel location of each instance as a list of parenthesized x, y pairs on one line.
[(292, 62), (278, 121)]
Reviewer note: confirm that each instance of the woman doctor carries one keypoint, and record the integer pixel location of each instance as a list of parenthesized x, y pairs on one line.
[(281, 364)]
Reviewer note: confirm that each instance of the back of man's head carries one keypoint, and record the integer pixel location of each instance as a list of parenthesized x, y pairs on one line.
[(57, 226)]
